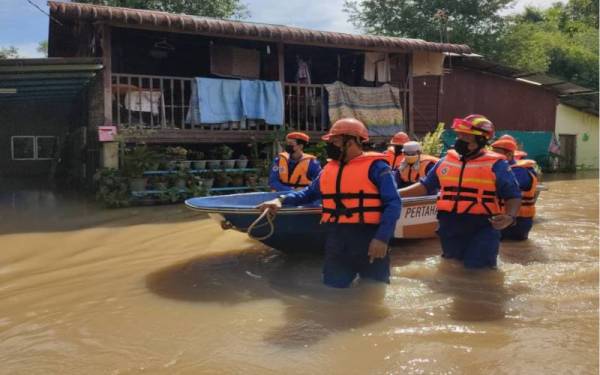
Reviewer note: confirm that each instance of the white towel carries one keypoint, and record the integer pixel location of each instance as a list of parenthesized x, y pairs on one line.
[(143, 101)]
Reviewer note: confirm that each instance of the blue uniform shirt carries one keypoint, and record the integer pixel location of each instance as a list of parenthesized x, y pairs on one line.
[(314, 168), (380, 174), (522, 175), (506, 184)]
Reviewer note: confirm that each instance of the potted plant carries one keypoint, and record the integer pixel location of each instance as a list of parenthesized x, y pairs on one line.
[(242, 162), (198, 162), (135, 162), (225, 153), (222, 180), (197, 187), (177, 153), (208, 180), (180, 178), (161, 183), (251, 179)]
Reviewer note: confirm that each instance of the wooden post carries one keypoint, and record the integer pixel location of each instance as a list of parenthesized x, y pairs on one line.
[(107, 73), (411, 124), (281, 61)]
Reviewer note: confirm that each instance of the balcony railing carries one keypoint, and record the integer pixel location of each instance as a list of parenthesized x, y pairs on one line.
[(162, 102)]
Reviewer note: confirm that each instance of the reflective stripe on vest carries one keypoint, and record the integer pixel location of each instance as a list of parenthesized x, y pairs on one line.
[(408, 174), (527, 197), (349, 196), (470, 186), (299, 177)]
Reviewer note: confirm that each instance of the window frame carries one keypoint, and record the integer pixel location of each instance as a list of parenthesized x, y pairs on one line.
[(35, 146)]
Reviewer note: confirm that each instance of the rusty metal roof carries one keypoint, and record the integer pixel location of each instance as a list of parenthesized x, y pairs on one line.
[(128, 17)]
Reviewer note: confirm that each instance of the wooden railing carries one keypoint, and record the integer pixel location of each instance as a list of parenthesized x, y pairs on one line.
[(163, 102)]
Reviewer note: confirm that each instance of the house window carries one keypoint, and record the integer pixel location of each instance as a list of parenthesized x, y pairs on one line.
[(33, 148)]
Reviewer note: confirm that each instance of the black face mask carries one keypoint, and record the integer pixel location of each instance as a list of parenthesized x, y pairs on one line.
[(462, 147), (398, 150), (289, 149), (333, 151)]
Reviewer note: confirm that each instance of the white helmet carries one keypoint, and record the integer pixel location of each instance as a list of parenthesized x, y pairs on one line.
[(412, 147)]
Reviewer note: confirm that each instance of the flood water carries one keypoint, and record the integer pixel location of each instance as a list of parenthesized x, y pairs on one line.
[(164, 290)]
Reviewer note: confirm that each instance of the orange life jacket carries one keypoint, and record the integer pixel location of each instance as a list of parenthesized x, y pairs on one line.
[(349, 196), (527, 197), (409, 175), (469, 186), (393, 160), (299, 177)]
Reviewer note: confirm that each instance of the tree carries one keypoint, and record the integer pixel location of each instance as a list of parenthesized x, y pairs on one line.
[(207, 8), (10, 52), (43, 47), (474, 22), (561, 41)]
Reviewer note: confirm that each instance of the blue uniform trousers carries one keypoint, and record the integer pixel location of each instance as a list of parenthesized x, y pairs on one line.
[(519, 231), (468, 238), (346, 256)]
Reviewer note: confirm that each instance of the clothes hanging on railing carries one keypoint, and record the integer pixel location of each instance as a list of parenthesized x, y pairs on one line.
[(377, 65), (303, 73), (215, 101), (144, 101), (377, 107)]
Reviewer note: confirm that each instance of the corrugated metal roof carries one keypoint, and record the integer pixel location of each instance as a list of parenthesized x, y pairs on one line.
[(210, 26), (45, 79)]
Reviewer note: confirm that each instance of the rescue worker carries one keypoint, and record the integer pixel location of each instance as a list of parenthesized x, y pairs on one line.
[(415, 164), (394, 152), (527, 179), (360, 206), (518, 154), (471, 181), (294, 169)]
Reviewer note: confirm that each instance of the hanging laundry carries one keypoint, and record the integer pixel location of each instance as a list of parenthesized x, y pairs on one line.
[(144, 101), (377, 64), (303, 73), (263, 100)]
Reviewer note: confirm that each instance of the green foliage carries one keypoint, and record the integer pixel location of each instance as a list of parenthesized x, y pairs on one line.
[(9, 52), (561, 41), (43, 47), (432, 143), (222, 152), (474, 22), (318, 150), (139, 159), (112, 188), (207, 8)]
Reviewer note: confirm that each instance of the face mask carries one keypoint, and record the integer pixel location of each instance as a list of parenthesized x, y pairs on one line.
[(462, 147), (333, 151), (398, 150), (289, 149), (411, 159)]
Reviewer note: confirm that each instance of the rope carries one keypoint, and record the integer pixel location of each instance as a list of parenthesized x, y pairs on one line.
[(269, 215)]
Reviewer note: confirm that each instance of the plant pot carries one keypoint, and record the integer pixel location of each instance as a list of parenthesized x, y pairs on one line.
[(180, 183), (199, 164), (241, 163), (208, 182), (138, 184), (185, 164), (228, 164), (213, 164)]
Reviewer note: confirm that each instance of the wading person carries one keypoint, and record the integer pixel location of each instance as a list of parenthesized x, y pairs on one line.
[(527, 179), (415, 164), (360, 206), (293, 169), (471, 183)]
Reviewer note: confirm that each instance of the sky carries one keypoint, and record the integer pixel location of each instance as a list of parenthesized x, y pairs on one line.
[(24, 26)]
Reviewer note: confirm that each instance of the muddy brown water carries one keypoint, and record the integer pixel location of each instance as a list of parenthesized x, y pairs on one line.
[(164, 290)]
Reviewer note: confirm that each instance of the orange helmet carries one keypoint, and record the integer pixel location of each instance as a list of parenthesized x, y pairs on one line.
[(348, 126), (505, 144), (474, 124), (509, 137), (298, 135), (399, 139)]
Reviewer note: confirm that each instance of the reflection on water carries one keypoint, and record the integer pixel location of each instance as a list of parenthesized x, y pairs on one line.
[(164, 290)]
